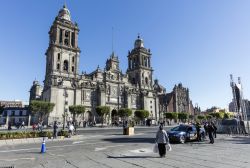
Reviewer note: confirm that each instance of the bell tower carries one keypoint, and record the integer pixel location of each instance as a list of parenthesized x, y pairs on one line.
[(139, 66), (62, 55)]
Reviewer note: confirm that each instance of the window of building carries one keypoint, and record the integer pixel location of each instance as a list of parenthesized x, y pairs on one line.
[(73, 69), (58, 57), (145, 62), (151, 101), (12, 113), (60, 36), (133, 81), (58, 66), (73, 59), (150, 106), (73, 39), (146, 81), (21, 113), (66, 40), (65, 65), (66, 34)]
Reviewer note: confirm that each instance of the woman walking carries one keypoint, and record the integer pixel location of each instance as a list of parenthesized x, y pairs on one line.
[(162, 140)]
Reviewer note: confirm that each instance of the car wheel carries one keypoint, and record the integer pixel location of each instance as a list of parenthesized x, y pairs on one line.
[(182, 139)]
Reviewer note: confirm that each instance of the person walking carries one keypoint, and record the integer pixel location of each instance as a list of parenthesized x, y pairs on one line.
[(71, 129), (215, 129), (198, 129), (210, 131), (55, 130), (162, 140), (22, 125)]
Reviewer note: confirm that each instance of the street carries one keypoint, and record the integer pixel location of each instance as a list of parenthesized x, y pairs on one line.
[(108, 148)]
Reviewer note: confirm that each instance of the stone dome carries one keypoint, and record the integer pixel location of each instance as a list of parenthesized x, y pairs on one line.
[(139, 42), (64, 13)]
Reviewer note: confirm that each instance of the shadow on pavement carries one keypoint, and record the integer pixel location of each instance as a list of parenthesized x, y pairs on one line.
[(130, 140), (124, 157), (239, 140)]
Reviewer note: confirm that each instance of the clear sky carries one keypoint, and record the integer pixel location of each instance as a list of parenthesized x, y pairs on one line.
[(197, 43)]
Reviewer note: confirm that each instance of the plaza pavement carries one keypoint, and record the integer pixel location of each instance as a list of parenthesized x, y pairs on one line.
[(119, 151)]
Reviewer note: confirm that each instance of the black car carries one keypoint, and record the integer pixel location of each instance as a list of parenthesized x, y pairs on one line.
[(183, 133)]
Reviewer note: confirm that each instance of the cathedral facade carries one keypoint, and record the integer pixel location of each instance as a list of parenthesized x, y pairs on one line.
[(65, 86)]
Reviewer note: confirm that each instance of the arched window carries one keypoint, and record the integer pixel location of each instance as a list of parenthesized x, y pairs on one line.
[(58, 57), (58, 67), (146, 81), (73, 59), (133, 80), (65, 65)]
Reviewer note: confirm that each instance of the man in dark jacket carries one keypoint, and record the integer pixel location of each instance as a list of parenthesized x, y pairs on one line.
[(215, 129), (210, 130), (55, 130), (198, 129)]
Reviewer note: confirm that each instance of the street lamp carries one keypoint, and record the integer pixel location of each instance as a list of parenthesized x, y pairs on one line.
[(65, 107)]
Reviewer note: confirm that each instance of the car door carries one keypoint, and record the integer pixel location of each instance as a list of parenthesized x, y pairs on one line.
[(193, 133)]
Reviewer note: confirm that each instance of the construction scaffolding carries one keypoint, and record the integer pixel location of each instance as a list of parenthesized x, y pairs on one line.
[(238, 99)]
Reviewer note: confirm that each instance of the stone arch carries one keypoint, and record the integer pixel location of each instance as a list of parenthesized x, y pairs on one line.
[(88, 116)]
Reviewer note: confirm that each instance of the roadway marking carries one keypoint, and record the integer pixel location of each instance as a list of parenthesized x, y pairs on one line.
[(99, 149), (11, 160), (77, 142)]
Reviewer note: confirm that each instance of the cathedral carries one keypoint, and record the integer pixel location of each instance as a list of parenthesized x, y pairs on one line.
[(135, 89)]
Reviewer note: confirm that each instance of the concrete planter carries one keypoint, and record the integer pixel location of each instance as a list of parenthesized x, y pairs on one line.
[(129, 131)]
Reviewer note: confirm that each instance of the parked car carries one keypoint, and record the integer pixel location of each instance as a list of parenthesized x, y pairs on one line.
[(183, 133)]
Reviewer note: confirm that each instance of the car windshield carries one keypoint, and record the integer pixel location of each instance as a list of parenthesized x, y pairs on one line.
[(179, 128)]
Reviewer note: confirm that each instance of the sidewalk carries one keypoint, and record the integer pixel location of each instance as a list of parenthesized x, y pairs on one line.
[(36, 140)]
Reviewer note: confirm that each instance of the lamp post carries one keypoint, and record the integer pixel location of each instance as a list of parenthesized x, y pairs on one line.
[(65, 107)]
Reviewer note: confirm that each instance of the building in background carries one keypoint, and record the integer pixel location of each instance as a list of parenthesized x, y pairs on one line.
[(176, 101), (11, 103), (15, 113), (135, 89)]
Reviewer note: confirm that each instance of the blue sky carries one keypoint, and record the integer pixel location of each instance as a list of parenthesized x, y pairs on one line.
[(197, 43)]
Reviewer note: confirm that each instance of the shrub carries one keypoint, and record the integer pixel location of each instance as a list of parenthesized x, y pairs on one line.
[(63, 133)]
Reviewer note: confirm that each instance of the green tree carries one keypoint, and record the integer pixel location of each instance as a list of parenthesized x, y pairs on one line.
[(183, 116), (201, 117), (76, 110), (227, 115), (175, 115), (219, 115), (102, 111), (169, 116), (124, 112), (208, 116), (141, 114), (41, 108)]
